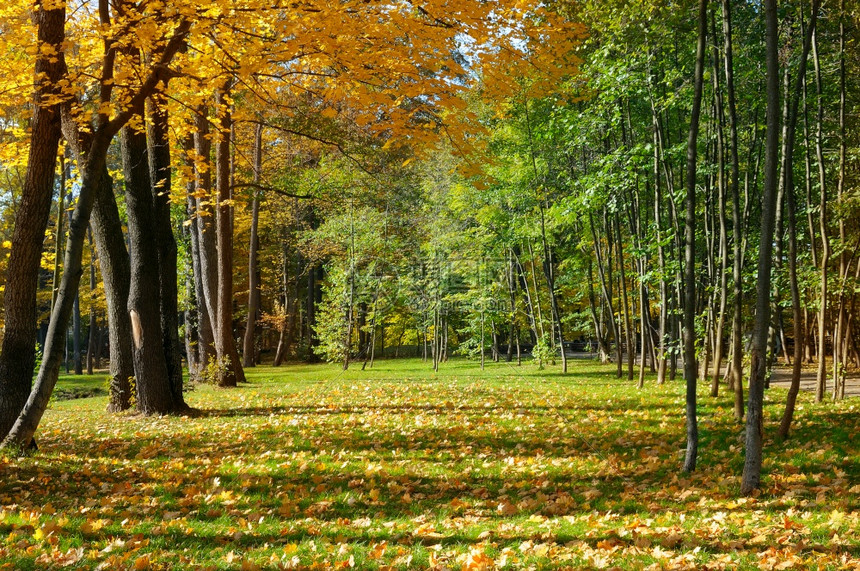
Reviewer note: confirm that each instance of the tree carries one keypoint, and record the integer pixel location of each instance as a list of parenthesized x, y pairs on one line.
[(755, 421), (690, 369), (18, 353), (105, 129)]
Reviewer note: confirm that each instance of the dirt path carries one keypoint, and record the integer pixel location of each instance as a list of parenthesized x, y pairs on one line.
[(782, 378)]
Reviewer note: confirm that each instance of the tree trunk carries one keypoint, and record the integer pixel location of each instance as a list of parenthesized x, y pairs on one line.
[(690, 372), (61, 229), (18, 354), (230, 373), (788, 181), (661, 258), (248, 347), (203, 244), (93, 326), (737, 252), (512, 294), (152, 382), (607, 295), (160, 177), (625, 303), (524, 285), (721, 198), (755, 421), (116, 275), (842, 329), (76, 336), (822, 220)]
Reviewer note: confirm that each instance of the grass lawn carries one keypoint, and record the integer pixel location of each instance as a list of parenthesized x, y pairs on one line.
[(398, 467)]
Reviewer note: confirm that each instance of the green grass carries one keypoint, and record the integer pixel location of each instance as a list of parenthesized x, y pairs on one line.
[(81, 386), (399, 467)]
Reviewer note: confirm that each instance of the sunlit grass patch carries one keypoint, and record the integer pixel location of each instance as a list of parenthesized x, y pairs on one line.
[(399, 467)]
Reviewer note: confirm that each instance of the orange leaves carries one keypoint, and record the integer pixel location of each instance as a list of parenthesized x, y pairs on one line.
[(61, 558)]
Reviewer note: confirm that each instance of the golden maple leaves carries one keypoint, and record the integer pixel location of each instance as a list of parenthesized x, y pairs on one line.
[(393, 70)]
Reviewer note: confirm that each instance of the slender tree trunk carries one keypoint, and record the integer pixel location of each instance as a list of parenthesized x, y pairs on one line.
[(822, 220), (248, 349), (93, 326), (645, 326), (737, 251), (512, 293), (193, 349), (661, 259), (605, 288), (602, 348), (788, 180), (721, 198), (310, 303), (628, 322), (61, 230), (483, 350), (690, 372), (76, 336), (610, 249), (841, 331), (755, 420), (524, 285), (539, 315), (287, 329), (225, 345), (206, 254)]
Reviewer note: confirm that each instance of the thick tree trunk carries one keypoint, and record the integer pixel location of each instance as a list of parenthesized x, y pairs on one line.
[(755, 421), (152, 381), (18, 354), (116, 276), (160, 175)]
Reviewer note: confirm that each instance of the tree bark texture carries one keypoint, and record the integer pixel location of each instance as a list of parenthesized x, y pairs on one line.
[(18, 353)]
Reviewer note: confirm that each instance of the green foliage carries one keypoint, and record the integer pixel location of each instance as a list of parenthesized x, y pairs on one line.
[(211, 373), (544, 352)]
